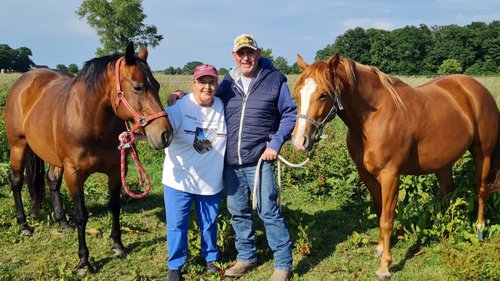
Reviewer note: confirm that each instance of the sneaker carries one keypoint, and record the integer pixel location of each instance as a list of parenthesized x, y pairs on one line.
[(212, 268), (174, 275), (281, 275), (239, 269)]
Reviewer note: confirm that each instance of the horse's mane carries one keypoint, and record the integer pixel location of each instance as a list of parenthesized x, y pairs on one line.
[(388, 82), (323, 76), (94, 70)]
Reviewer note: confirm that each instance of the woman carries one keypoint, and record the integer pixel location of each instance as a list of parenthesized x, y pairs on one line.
[(192, 170)]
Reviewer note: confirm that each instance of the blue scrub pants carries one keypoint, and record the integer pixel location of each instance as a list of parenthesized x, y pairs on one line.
[(178, 209)]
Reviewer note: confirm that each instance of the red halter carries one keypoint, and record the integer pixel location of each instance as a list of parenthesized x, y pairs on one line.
[(140, 119), (127, 138)]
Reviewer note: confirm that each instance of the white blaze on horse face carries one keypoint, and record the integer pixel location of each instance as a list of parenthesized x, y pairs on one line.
[(306, 92)]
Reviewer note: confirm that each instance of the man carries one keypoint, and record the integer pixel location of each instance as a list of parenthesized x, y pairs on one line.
[(260, 116)]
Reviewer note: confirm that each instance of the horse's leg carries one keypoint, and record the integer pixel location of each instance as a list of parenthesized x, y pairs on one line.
[(54, 178), (482, 168), (114, 185), (16, 176), (389, 181), (445, 180), (75, 180), (374, 187), (34, 170)]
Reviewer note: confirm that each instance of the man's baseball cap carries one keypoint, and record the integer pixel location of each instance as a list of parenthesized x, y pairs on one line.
[(204, 70), (245, 40)]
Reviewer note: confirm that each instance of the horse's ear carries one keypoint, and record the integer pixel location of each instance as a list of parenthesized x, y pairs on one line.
[(130, 54), (143, 52), (334, 61), (301, 63)]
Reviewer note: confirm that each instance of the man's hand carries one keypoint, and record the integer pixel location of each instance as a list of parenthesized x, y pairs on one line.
[(174, 96), (269, 154)]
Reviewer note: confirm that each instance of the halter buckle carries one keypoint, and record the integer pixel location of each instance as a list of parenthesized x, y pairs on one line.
[(143, 121)]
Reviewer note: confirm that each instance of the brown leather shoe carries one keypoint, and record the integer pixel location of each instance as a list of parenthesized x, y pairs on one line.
[(239, 269), (281, 275)]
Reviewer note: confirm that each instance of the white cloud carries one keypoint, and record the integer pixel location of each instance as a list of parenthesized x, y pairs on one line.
[(369, 23)]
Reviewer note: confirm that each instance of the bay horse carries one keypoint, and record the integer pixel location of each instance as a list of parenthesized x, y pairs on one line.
[(73, 124), (395, 129)]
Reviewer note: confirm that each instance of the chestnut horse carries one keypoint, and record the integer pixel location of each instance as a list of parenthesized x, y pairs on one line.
[(73, 123), (395, 129)]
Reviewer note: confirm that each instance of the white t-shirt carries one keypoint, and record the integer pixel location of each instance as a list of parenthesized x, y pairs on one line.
[(194, 161), (245, 83)]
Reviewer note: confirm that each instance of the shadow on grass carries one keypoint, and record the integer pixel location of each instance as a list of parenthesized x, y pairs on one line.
[(410, 253), (324, 230)]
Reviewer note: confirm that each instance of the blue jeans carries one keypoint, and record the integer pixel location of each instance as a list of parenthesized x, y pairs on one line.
[(238, 181), (178, 210)]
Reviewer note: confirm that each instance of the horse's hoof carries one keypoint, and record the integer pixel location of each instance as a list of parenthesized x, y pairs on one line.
[(67, 228), (119, 252), (82, 271), (383, 275), (26, 231), (480, 237)]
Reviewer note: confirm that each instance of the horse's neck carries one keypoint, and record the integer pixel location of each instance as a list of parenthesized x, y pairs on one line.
[(95, 108), (361, 100)]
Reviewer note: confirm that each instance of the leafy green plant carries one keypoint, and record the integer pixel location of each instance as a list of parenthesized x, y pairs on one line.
[(4, 145), (450, 66)]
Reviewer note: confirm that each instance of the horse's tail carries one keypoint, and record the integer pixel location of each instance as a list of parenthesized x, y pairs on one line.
[(35, 171), (493, 180)]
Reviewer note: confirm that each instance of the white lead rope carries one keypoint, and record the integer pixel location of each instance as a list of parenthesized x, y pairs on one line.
[(257, 176)]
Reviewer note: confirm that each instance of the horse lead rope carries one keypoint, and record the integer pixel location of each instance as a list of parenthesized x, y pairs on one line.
[(127, 139), (319, 130), (257, 176)]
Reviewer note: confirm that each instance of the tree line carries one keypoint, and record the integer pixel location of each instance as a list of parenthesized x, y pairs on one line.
[(473, 49)]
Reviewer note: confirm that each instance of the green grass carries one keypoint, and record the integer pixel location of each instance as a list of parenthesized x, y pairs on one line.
[(332, 231)]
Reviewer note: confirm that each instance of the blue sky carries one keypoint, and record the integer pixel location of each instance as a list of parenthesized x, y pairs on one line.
[(204, 30)]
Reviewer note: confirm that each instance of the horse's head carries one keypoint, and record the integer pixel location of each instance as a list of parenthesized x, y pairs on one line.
[(317, 101), (137, 98)]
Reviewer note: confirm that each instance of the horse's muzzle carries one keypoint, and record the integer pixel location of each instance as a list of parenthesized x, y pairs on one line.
[(303, 142), (167, 138)]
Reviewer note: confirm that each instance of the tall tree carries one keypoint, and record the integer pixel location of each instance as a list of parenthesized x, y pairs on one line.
[(15, 59), (6, 56), (117, 22), (267, 53), (410, 45), (451, 42), (354, 44), (190, 66), (281, 64), (381, 51)]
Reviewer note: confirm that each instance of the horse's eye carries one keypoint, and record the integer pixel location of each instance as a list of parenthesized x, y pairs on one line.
[(138, 88), (323, 96)]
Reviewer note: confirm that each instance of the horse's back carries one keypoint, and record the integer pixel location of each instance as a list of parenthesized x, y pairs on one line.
[(455, 113), (473, 100), (463, 89), (31, 86)]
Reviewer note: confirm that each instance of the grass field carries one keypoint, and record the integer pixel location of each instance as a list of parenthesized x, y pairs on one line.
[(340, 236)]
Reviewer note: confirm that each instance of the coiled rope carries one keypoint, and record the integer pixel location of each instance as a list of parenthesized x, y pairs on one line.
[(257, 177)]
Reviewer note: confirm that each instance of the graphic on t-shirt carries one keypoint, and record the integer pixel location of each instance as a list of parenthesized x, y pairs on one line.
[(203, 139)]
